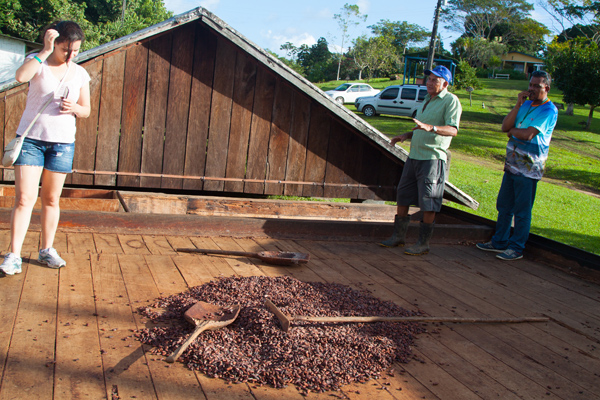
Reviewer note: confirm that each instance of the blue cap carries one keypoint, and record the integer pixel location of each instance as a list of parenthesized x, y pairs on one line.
[(440, 71)]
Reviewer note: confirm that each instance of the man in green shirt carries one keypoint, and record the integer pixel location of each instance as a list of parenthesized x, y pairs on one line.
[(424, 173)]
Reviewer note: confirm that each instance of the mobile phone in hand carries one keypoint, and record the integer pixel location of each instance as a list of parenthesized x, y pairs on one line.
[(64, 96)]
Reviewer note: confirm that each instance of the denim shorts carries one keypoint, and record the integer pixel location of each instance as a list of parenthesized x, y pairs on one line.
[(55, 157)]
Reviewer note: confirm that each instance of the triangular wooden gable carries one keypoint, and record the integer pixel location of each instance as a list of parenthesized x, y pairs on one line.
[(192, 105)]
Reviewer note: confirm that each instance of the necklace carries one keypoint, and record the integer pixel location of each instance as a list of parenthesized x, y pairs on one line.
[(531, 109)]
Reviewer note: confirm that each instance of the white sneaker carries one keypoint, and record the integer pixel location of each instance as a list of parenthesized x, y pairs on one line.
[(51, 258), (12, 264)]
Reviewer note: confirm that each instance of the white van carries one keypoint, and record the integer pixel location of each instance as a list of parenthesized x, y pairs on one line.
[(395, 100)]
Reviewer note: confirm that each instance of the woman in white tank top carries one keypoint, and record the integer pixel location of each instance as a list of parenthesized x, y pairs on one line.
[(47, 152)]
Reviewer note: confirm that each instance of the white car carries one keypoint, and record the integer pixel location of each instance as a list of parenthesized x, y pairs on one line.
[(349, 92), (394, 100)]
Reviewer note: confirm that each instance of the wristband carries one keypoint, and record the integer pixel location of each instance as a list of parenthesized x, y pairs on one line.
[(37, 58)]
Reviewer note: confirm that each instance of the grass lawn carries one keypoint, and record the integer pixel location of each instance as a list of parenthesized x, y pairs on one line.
[(567, 207)]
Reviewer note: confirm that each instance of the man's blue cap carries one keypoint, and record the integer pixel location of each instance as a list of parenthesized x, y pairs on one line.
[(440, 71)]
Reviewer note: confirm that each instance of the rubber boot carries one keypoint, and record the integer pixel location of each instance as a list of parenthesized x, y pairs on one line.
[(422, 246), (398, 238)]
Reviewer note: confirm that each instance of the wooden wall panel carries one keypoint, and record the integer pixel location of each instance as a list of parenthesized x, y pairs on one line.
[(371, 175), (220, 114), (298, 141), (109, 123), (191, 103), (260, 129), (241, 118), (390, 172), (14, 105), (199, 117), (132, 119), (155, 115), (279, 137), (316, 150), (87, 130), (343, 158), (178, 107)]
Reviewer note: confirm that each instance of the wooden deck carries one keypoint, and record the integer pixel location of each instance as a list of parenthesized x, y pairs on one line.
[(67, 334)]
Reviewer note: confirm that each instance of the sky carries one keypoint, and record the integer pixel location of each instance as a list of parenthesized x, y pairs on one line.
[(271, 23)]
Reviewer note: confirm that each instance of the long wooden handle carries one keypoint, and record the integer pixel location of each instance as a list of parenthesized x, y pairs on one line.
[(211, 251), (419, 319), (199, 328)]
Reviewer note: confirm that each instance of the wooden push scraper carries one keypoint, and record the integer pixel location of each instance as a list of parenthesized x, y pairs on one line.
[(286, 320)]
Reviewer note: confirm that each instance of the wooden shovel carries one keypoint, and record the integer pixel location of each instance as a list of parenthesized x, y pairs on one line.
[(270, 257), (286, 320), (205, 316)]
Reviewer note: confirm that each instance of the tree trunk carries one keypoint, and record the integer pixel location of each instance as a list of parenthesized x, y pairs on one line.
[(569, 109), (590, 116)]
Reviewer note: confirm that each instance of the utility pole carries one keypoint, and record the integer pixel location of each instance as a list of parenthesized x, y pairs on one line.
[(434, 34)]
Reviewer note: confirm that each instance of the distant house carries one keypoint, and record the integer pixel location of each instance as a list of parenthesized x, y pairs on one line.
[(521, 62), (12, 54)]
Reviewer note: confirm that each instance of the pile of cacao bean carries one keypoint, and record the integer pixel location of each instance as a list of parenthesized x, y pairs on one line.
[(254, 349)]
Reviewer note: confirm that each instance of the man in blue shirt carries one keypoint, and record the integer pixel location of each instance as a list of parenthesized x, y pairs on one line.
[(529, 127)]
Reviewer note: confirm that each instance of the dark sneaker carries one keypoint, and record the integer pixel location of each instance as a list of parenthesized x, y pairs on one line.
[(488, 247), (509, 255), (51, 258), (12, 264)]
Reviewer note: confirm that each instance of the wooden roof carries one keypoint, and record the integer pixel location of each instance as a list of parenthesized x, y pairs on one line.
[(190, 104)]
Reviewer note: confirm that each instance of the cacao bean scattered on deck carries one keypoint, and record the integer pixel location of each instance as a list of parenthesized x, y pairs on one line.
[(313, 356)]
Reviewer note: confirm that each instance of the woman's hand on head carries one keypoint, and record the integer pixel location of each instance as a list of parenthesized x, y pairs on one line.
[(49, 38)]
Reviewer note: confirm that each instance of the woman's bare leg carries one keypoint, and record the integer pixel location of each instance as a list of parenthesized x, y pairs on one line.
[(27, 181), (52, 185)]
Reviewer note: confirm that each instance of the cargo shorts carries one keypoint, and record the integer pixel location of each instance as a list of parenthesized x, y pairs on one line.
[(422, 183)]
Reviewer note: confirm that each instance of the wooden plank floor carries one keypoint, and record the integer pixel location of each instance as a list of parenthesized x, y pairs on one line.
[(67, 334)]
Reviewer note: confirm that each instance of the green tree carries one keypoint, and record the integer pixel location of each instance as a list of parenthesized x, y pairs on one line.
[(401, 34), (576, 17), (101, 11), (373, 54), (526, 36), (293, 64), (479, 18), (317, 61), (478, 52), (349, 16), (466, 76), (577, 31), (139, 14), (572, 64), (290, 49), (26, 18)]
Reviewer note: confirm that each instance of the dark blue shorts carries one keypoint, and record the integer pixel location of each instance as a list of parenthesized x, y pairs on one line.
[(55, 157)]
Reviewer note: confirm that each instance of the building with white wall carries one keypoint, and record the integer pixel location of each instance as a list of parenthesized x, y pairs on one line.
[(12, 55)]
